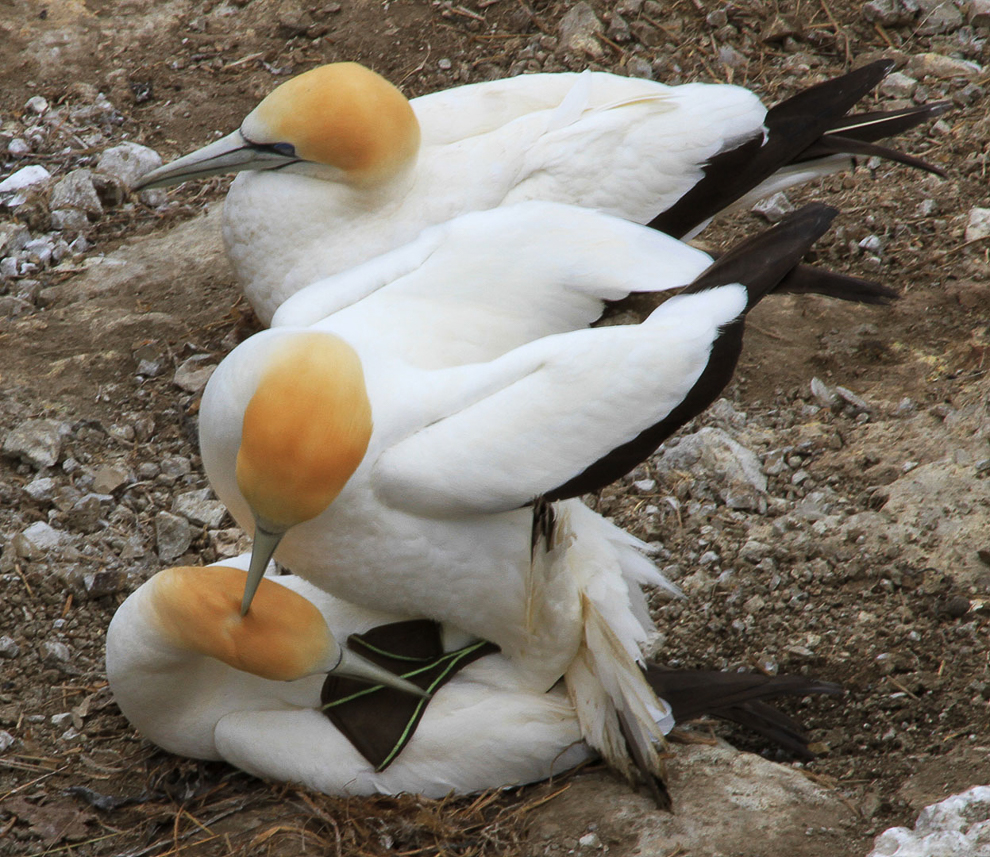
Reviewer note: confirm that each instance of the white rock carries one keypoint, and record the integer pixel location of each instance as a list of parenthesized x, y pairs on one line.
[(36, 104), (937, 17), (774, 208), (6, 741), (200, 507), (37, 540), (13, 237), (958, 826), (24, 177), (18, 147), (941, 66), (8, 647), (55, 650), (128, 162), (38, 442), (76, 190), (173, 536), (978, 225), (898, 85), (193, 374), (40, 489), (69, 219), (735, 471)]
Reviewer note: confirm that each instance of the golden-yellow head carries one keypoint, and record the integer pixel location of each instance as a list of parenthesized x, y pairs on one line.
[(341, 114), (283, 637), (306, 429)]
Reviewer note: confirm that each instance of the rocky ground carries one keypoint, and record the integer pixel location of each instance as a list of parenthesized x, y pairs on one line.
[(827, 517)]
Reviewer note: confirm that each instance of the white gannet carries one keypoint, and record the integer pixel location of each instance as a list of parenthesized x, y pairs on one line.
[(338, 167), (244, 701), (407, 489)]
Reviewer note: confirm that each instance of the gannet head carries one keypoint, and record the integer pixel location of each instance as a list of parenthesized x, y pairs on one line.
[(341, 116), (283, 638), (305, 431)]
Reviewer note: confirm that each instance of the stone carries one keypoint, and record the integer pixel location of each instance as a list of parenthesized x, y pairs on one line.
[(938, 17), (823, 395), (61, 721), (18, 147), (978, 225), (898, 85), (37, 541), (200, 507), (774, 208), (979, 14), (106, 581), (69, 220), (958, 826), (639, 67), (8, 647), (229, 542), (85, 513), (153, 197), (36, 104), (13, 237), (173, 535), (6, 740), (942, 67), (579, 30), (726, 802), (25, 177), (175, 466), (40, 489), (11, 307), (55, 651), (128, 162), (38, 442), (735, 470), (732, 58), (108, 479), (77, 191), (891, 13), (193, 374)]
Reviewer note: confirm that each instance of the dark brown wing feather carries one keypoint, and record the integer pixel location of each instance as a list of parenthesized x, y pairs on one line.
[(739, 698)]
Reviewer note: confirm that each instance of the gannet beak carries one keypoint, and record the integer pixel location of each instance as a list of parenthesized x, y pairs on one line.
[(266, 539), (227, 155), (354, 666)]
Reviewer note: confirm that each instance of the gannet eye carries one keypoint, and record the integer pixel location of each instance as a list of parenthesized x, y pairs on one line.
[(286, 149)]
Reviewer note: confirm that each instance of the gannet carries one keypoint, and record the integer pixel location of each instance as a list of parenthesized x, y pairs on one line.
[(337, 167), (407, 488), (481, 730)]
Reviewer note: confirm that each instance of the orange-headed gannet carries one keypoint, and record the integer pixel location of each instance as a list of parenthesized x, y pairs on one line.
[(337, 167), (407, 489), (255, 700)]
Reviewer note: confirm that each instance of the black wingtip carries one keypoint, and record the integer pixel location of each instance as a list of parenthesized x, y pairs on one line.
[(761, 262)]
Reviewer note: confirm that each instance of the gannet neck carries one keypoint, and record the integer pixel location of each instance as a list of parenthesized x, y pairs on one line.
[(305, 430), (283, 638), (341, 115)]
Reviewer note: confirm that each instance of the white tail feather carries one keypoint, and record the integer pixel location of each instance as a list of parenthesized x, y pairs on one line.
[(587, 581)]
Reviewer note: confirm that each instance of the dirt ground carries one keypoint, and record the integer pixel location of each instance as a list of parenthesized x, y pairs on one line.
[(867, 565)]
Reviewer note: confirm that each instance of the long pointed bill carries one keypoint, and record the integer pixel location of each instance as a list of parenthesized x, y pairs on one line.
[(354, 666), (262, 549), (230, 154)]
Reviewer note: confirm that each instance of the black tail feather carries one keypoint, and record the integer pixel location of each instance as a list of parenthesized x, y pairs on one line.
[(807, 126), (739, 698), (809, 280)]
